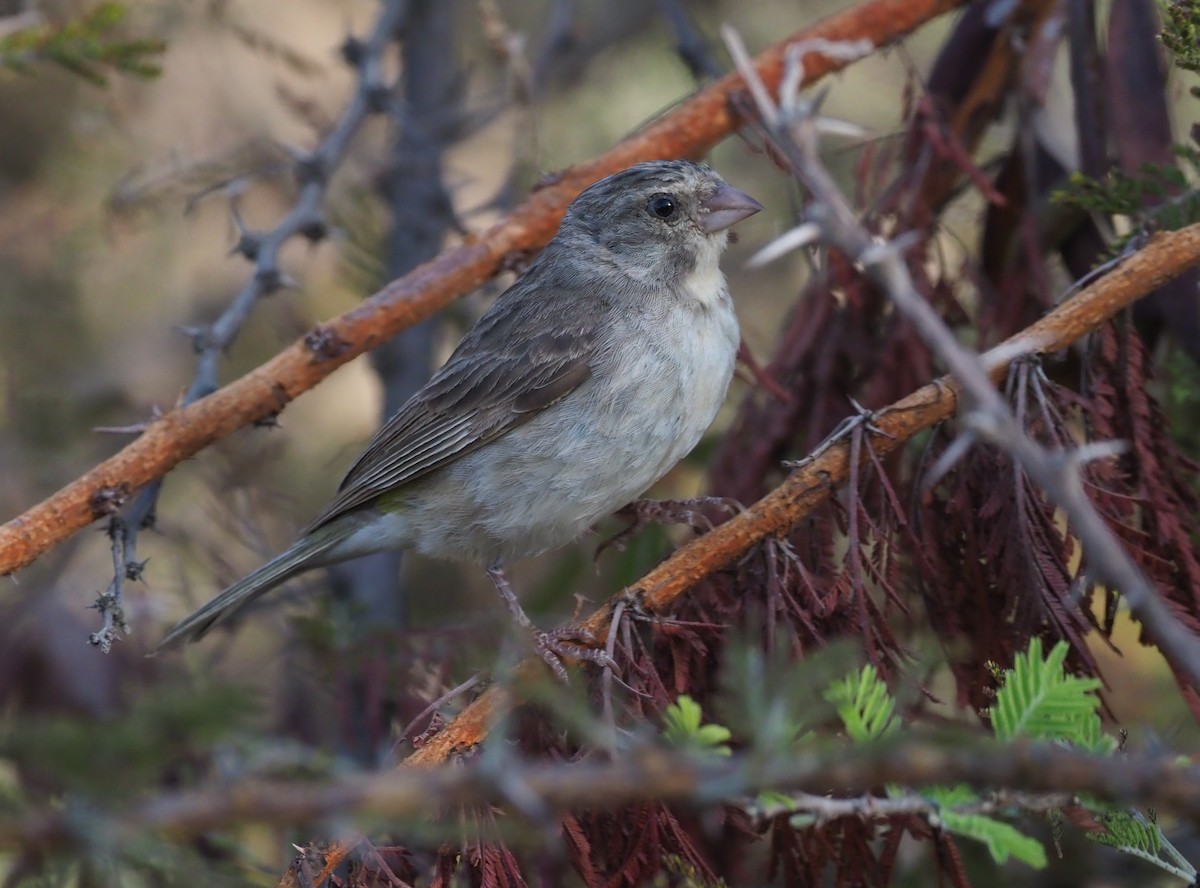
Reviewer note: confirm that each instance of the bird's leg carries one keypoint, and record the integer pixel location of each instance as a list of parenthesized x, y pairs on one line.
[(695, 513), (554, 645)]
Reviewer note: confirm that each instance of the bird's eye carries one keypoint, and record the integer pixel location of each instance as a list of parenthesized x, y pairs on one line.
[(662, 205)]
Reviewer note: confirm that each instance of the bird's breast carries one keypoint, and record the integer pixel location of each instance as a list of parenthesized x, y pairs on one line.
[(656, 386)]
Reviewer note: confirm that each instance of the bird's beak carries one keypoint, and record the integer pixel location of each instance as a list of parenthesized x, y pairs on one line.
[(726, 207)]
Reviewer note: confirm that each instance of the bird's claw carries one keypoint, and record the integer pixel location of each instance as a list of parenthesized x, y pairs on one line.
[(565, 643)]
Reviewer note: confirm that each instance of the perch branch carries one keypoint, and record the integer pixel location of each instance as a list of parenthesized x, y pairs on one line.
[(688, 130), (647, 772)]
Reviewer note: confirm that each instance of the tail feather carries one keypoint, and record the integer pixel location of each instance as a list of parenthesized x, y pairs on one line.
[(304, 554)]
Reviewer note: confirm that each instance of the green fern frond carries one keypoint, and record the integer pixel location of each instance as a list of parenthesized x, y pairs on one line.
[(1181, 32), (85, 46), (1038, 700), (865, 705), (683, 726), (1002, 839), (1129, 832)]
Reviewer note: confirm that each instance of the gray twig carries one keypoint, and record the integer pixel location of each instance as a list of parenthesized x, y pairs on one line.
[(313, 172)]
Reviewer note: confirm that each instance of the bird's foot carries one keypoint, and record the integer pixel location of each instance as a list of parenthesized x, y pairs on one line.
[(572, 643), (697, 513), (568, 642)]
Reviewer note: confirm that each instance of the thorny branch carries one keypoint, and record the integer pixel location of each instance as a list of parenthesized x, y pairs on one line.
[(651, 772), (688, 130), (313, 172), (793, 126)]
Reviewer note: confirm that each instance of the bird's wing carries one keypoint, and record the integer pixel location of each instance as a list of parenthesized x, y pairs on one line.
[(517, 361)]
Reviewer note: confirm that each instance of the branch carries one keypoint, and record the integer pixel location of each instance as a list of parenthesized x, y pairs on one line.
[(1165, 257), (313, 172), (648, 772), (687, 131)]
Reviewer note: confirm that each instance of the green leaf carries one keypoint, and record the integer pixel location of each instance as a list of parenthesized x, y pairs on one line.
[(1128, 832), (865, 705), (682, 727), (84, 46), (1038, 700), (1002, 839)]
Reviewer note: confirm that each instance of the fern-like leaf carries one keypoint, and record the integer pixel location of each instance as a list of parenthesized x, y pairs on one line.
[(1002, 839), (1128, 832), (682, 726), (865, 705), (1038, 700)]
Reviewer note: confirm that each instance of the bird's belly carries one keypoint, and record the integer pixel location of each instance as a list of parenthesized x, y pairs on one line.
[(544, 483)]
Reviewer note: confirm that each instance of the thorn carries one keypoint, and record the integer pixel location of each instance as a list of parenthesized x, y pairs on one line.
[(354, 51), (248, 245), (107, 501), (311, 169), (295, 152), (833, 126), (269, 279), (800, 236), (135, 569), (325, 343), (315, 230), (378, 97), (235, 213), (134, 429)]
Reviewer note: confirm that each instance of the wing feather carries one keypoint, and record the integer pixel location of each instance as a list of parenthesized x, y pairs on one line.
[(508, 369)]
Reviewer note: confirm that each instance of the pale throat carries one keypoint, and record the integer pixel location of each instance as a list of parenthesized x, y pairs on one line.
[(705, 283)]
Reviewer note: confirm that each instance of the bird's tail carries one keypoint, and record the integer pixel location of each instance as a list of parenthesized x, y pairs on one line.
[(304, 554)]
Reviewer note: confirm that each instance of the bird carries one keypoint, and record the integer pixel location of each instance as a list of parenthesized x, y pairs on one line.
[(582, 384)]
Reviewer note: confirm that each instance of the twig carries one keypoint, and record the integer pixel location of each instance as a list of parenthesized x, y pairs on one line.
[(313, 172), (793, 128), (695, 51), (824, 808), (437, 704), (642, 773)]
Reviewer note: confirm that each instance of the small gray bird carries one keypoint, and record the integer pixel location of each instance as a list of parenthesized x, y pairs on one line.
[(582, 385)]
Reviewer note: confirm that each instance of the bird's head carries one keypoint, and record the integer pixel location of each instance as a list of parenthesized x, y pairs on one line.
[(657, 221)]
